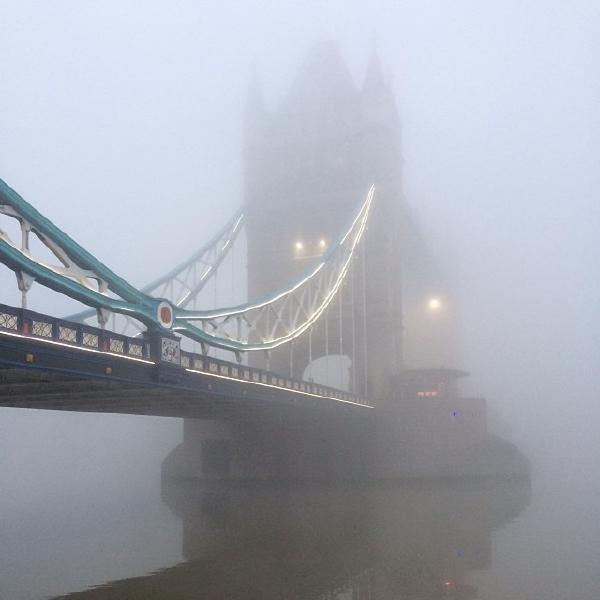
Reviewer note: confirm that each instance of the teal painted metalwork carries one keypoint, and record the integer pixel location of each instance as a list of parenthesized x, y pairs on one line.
[(132, 302), (312, 292), (228, 232)]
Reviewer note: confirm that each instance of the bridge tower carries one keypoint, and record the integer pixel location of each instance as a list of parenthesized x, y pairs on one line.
[(308, 165)]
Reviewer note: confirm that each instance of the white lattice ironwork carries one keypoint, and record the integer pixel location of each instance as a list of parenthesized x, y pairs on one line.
[(8, 321), (181, 285), (71, 270), (90, 339), (117, 346), (287, 314), (41, 329), (67, 334), (135, 349), (64, 265)]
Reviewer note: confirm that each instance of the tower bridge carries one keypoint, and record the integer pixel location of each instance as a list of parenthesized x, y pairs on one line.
[(326, 231), (241, 419)]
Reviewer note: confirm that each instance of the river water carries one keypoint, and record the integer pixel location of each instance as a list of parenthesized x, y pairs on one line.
[(83, 522)]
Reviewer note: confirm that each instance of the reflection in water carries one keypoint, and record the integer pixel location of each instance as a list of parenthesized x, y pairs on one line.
[(412, 542)]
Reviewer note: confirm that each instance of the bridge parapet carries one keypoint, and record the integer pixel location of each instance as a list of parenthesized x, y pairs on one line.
[(214, 367), (20, 322), (43, 342)]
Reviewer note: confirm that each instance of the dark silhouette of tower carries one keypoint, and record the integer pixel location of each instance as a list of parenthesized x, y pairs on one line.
[(308, 165)]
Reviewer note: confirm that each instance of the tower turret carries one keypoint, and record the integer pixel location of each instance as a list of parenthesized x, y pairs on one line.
[(318, 157), (255, 112), (378, 98)]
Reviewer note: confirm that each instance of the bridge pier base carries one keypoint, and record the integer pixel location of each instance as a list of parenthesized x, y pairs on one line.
[(275, 448), (205, 452)]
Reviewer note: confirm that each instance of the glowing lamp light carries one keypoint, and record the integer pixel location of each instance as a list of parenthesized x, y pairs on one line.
[(434, 304), (298, 245), (322, 243)]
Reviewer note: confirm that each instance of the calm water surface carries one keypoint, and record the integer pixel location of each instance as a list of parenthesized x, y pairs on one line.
[(165, 539)]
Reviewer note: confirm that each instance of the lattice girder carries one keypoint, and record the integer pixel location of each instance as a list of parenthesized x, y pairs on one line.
[(78, 273), (259, 325), (183, 283), (286, 314)]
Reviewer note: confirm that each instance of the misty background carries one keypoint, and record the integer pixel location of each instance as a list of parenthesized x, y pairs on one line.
[(122, 123)]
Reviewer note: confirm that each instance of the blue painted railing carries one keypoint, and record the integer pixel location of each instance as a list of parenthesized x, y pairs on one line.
[(79, 337)]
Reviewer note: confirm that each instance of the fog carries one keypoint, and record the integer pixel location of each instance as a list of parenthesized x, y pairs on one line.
[(122, 123)]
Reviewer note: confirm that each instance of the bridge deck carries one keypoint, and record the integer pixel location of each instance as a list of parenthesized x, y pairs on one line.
[(54, 364)]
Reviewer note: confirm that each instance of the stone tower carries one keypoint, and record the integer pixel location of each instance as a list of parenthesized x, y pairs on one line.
[(308, 165)]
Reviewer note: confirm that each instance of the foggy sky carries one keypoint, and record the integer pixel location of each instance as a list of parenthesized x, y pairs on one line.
[(121, 121)]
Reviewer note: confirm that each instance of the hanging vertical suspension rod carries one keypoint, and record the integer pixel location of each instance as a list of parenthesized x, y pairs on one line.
[(327, 346), (364, 302), (352, 291), (341, 336)]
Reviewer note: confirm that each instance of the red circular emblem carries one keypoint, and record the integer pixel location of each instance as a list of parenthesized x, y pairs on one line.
[(165, 314)]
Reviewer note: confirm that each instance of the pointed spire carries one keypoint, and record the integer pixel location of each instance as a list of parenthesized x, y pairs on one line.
[(374, 78), (378, 98), (254, 111), (323, 74)]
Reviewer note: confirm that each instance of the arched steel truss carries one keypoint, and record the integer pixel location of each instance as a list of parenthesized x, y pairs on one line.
[(288, 313), (77, 273), (259, 325), (181, 285)]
